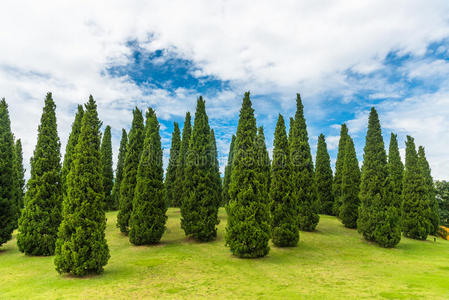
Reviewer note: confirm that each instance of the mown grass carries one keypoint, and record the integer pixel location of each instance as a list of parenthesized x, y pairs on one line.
[(331, 263)]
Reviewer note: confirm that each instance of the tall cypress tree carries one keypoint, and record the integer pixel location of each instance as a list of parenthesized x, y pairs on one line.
[(228, 171), (248, 228), (378, 219), (170, 177), (396, 170), (179, 182), (81, 247), (218, 184), (263, 157), (129, 181), (303, 176), (323, 177), (431, 193), (350, 187), (39, 222), (199, 208), (108, 172), (336, 187), (119, 171), (20, 174), (8, 190), (70, 148), (148, 217), (284, 225)]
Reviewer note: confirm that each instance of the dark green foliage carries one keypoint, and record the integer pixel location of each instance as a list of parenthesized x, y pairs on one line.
[(378, 219), (303, 176), (263, 157), (20, 174), (228, 171), (39, 222), (323, 177), (248, 228), (415, 207), (170, 177), (81, 247), (178, 189), (431, 194), (8, 185), (199, 208), (218, 184), (129, 181), (108, 173), (284, 225), (148, 217), (336, 188), (396, 170), (70, 148), (442, 196), (350, 187), (119, 171)]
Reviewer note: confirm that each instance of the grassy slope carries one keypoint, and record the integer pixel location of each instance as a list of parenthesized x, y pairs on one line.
[(333, 262)]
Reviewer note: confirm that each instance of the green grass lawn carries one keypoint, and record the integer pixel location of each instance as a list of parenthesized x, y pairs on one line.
[(333, 262)]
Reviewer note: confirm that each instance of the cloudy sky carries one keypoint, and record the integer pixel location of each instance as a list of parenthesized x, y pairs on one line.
[(342, 56)]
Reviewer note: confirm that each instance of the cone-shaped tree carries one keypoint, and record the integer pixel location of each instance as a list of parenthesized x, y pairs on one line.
[(323, 177), (119, 171), (129, 181), (70, 148), (170, 177), (303, 176), (81, 247), (228, 171), (284, 225), (378, 218), (39, 222), (20, 174), (290, 130), (108, 172), (263, 157), (336, 187), (431, 193), (8, 185), (199, 208), (396, 170), (350, 187), (218, 183), (179, 182), (148, 217), (248, 229)]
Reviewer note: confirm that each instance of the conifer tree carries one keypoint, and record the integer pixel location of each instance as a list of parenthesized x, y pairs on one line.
[(39, 222), (81, 246), (336, 187), (303, 176), (119, 171), (20, 174), (199, 208), (218, 183), (396, 170), (378, 218), (129, 181), (8, 190), (108, 172), (350, 187), (70, 148), (263, 157), (284, 225), (248, 229), (228, 171), (148, 217), (323, 177), (170, 177), (179, 182)]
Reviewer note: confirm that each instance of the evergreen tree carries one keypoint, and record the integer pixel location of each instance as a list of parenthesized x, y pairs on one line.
[(39, 222), (129, 181), (248, 228), (8, 190), (70, 148), (323, 177), (81, 246), (378, 218), (148, 217), (431, 193), (170, 177), (350, 187), (336, 187), (263, 157), (303, 176), (199, 208), (179, 182), (396, 170), (20, 174), (218, 184), (119, 171), (228, 171), (108, 172), (284, 225)]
